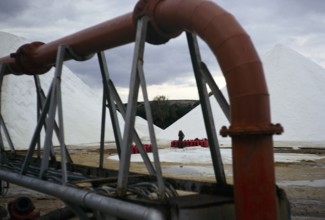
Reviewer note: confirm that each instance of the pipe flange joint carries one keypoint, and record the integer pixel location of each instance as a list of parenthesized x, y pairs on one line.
[(251, 130), (24, 57), (155, 35)]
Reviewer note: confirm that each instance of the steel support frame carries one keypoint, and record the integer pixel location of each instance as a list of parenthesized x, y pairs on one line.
[(40, 103), (7, 135), (224, 105), (52, 104), (46, 116), (35, 138), (206, 109), (111, 97), (3, 126), (109, 102), (137, 79), (136, 137), (48, 106)]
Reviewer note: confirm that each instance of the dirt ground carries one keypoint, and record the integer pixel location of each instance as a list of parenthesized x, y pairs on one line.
[(303, 182)]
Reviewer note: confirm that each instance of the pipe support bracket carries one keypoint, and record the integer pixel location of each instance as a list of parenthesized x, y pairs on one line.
[(155, 35)]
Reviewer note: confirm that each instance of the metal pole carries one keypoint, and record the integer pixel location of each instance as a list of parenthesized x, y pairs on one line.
[(116, 207), (107, 98), (41, 99), (159, 177), (2, 123), (136, 137), (102, 132), (52, 111), (216, 91), (2, 73), (37, 131), (131, 107), (206, 110), (63, 150), (7, 135), (39, 109)]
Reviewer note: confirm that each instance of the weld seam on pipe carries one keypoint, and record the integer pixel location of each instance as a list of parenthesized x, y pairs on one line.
[(250, 94), (228, 72)]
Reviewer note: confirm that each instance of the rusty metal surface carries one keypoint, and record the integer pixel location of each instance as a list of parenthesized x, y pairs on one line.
[(106, 35)]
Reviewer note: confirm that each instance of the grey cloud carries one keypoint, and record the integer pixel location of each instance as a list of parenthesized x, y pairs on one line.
[(161, 63), (88, 71), (302, 7), (119, 61), (11, 8)]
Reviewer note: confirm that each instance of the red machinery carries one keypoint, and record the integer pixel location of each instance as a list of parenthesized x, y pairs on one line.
[(22, 208)]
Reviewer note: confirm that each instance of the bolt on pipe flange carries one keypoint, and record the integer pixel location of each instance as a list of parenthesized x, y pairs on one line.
[(239, 131)]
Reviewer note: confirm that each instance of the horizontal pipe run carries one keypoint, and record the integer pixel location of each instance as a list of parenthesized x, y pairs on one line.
[(115, 207), (38, 58)]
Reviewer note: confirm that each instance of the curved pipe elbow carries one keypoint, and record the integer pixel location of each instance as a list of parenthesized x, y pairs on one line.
[(230, 44)]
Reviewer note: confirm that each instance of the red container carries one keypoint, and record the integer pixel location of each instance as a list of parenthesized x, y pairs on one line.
[(205, 143), (150, 148), (132, 149)]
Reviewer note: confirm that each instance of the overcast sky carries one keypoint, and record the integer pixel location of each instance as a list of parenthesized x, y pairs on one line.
[(297, 24)]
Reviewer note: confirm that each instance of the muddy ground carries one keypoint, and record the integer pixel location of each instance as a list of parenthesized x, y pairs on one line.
[(303, 182)]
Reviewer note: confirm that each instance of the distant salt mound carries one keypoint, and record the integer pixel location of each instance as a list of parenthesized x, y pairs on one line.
[(296, 87), (81, 105), (297, 91)]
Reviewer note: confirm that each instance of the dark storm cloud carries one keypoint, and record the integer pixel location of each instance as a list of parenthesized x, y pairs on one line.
[(161, 63), (119, 62), (88, 71), (302, 7), (10, 8), (167, 62), (300, 16)]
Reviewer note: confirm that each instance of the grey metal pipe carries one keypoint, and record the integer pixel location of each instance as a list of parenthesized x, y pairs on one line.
[(118, 208)]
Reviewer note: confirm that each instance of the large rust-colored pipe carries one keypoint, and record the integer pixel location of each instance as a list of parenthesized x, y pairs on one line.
[(251, 129), (38, 58)]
